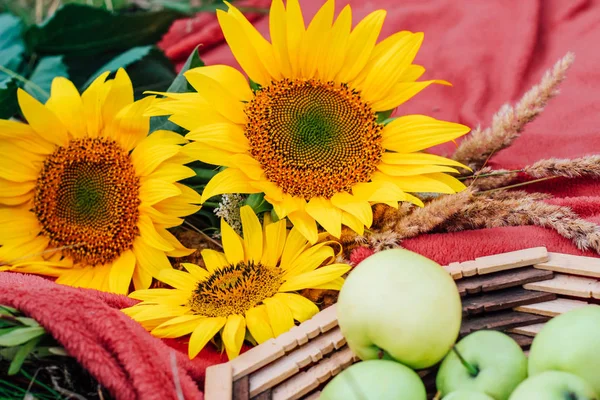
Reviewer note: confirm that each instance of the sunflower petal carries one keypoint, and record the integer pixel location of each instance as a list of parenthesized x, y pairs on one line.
[(197, 272), (230, 78), (258, 324), (119, 96), (280, 316), (153, 191), (278, 30), (121, 273), (275, 235), (214, 260), (233, 335), (317, 277), (150, 236), (295, 33), (177, 327), (178, 279), (302, 308), (130, 125), (206, 329), (93, 99), (313, 46), (338, 42), (360, 209), (150, 259), (232, 244), (326, 214), (305, 224), (42, 120), (141, 279), (253, 238), (231, 180), (402, 92), (66, 104)]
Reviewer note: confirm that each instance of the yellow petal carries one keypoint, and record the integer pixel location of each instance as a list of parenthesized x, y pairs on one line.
[(302, 308), (180, 250), (233, 335), (224, 136), (360, 45), (214, 260), (25, 136), (130, 125), (278, 30), (141, 279), (172, 172), (150, 259), (17, 224), (275, 235), (232, 244), (416, 132), (288, 204), (280, 316), (295, 33), (231, 180), (177, 327), (314, 46), (309, 260), (305, 224), (335, 284), (418, 184), (42, 120), (412, 73), (197, 272), (154, 190), (402, 92), (353, 223), (411, 170), (23, 249), (361, 209), (119, 96), (230, 78), (389, 66), (66, 104), (326, 214), (451, 181), (418, 159), (207, 154), (206, 329), (245, 54), (216, 95), (249, 165), (145, 159), (121, 273), (381, 191), (258, 324), (158, 217), (317, 277), (253, 238), (93, 100), (178, 279), (150, 236), (338, 42), (294, 246)]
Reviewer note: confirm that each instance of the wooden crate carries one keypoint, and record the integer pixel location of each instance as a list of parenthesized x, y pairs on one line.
[(515, 292)]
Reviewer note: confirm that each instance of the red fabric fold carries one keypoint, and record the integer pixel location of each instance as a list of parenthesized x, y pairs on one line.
[(492, 51)]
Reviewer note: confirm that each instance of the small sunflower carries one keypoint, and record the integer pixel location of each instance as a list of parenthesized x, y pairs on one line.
[(85, 194), (245, 288), (309, 133)]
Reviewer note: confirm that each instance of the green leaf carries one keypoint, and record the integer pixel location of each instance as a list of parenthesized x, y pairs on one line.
[(10, 31), (8, 98), (20, 336), (123, 60), (258, 203), (21, 355), (11, 56), (154, 73), (27, 321), (383, 116), (41, 78), (6, 310), (179, 85), (79, 29)]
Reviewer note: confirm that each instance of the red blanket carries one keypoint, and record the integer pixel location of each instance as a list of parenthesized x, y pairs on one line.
[(492, 51)]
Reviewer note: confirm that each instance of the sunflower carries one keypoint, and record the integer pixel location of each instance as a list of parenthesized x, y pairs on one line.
[(86, 195), (308, 130), (245, 288)]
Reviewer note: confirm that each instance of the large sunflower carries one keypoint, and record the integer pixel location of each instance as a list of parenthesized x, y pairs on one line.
[(85, 194), (309, 131), (245, 288)]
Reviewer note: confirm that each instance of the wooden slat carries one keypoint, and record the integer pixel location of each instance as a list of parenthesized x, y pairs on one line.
[(469, 268), (511, 260), (455, 270), (313, 396), (502, 300), (273, 349), (522, 340), (564, 284), (218, 382), (241, 389), (278, 371), (266, 395), (552, 308), (528, 330), (307, 381), (501, 280), (500, 320), (570, 264)]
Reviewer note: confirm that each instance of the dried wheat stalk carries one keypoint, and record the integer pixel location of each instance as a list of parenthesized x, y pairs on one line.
[(588, 166), (508, 123)]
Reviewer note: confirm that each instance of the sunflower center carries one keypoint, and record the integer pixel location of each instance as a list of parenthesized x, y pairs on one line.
[(87, 198), (235, 289), (313, 139)]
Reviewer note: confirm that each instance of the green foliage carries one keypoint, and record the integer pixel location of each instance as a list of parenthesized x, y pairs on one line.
[(82, 39)]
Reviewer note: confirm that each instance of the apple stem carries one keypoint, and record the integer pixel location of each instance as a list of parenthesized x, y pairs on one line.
[(473, 370), (438, 395), (380, 354)]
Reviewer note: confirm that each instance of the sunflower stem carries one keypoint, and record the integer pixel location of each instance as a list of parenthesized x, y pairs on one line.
[(213, 241)]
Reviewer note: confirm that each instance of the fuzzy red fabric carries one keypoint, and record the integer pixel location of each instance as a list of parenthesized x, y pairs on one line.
[(492, 51)]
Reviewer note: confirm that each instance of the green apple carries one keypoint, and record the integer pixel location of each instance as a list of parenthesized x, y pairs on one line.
[(554, 385), (486, 361), (569, 342), (398, 304), (375, 380), (467, 395)]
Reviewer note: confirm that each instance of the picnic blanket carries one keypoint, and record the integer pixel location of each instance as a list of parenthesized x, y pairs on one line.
[(491, 51)]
